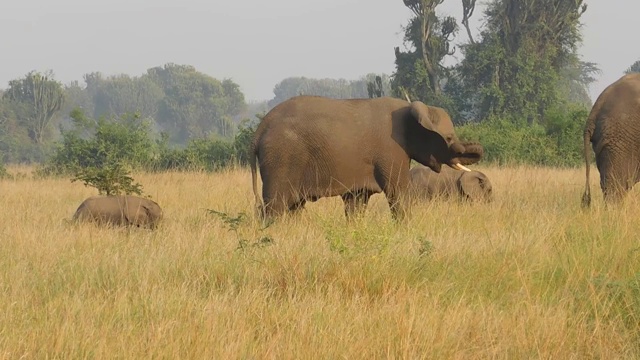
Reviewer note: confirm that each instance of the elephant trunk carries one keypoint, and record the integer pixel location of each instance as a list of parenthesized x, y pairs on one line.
[(467, 153)]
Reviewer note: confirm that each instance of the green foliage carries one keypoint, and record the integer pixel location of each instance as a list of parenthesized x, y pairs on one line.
[(375, 88), (111, 179), (634, 68), (526, 61), (206, 154), (195, 105), (234, 223), (555, 142), (101, 143), (4, 174), (35, 100), (243, 138), (420, 70), (102, 153), (333, 88)]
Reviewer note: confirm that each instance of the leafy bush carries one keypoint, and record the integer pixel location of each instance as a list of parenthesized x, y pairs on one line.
[(100, 143), (3, 171), (242, 140), (101, 153), (112, 179), (205, 154), (557, 142)]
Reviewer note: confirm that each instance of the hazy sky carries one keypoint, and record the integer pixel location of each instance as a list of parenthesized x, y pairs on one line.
[(256, 43)]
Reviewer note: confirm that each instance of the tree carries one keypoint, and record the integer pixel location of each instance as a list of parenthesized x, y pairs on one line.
[(634, 68), (375, 89), (195, 105), (432, 45), (333, 88), (122, 94), (468, 6), (526, 53), (420, 72), (36, 99)]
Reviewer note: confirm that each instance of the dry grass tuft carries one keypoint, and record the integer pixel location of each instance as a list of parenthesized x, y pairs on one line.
[(528, 276)]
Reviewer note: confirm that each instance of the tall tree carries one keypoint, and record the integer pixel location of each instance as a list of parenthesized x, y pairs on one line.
[(433, 47), (468, 6), (36, 99), (333, 88), (634, 68), (123, 94), (521, 60), (195, 105)]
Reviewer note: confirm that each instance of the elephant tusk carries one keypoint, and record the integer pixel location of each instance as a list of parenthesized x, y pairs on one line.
[(459, 166)]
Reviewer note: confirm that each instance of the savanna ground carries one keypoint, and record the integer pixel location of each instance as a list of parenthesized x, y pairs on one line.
[(528, 276)]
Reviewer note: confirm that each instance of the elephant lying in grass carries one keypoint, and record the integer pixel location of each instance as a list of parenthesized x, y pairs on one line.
[(473, 186), (123, 210)]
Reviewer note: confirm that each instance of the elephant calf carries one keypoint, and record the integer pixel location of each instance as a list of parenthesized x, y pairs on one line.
[(125, 210), (472, 186)]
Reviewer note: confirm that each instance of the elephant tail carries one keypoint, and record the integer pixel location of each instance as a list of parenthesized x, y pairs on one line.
[(253, 159), (586, 197)]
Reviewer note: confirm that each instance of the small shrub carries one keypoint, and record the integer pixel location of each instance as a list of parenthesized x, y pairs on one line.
[(98, 143), (233, 223), (3, 172), (112, 179)]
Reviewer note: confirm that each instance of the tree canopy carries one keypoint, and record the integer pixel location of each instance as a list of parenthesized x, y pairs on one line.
[(35, 99)]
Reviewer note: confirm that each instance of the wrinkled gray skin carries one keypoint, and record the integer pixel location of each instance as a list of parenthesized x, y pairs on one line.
[(122, 210), (310, 147), (472, 186), (613, 128)]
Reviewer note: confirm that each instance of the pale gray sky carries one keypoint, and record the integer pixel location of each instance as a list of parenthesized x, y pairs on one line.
[(256, 43)]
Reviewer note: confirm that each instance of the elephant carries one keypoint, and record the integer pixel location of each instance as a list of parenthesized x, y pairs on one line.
[(309, 147), (124, 210), (613, 128), (472, 186)]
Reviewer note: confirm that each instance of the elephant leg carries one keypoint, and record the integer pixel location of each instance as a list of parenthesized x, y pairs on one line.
[(614, 188), (616, 179), (398, 205), (355, 203), (297, 206)]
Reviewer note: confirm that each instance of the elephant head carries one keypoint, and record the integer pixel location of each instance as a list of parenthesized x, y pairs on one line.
[(475, 186), (443, 146)]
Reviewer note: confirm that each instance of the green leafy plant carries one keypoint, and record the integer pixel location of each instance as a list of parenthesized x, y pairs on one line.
[(234, 222), (112, 179)]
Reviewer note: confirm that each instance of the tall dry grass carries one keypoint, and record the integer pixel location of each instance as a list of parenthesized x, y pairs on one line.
[(528, 276)]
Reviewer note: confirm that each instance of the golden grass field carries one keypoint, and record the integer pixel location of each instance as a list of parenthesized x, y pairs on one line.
[(528, 276)]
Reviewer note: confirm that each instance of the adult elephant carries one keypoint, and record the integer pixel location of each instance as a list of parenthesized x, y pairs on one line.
[(472, 186), (310, 147), (613, 128)]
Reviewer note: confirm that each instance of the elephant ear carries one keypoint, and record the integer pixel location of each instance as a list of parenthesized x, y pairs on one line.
[(421, 113), (470, 185)]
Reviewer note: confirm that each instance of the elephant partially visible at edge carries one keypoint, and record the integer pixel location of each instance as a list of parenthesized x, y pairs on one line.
[(310, 147), (472, 186), (613, 128), (123, 210)]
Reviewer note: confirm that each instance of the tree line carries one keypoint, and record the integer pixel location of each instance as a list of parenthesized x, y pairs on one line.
[(521, 71)]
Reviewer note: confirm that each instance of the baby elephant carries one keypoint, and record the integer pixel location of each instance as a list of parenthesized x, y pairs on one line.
[(126, 210), (472, 186)]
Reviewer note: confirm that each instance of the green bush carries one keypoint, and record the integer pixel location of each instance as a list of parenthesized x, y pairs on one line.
[(102, 153), (3, 171), (556, 142), (99, 143), (205, 154), (112, 179)]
